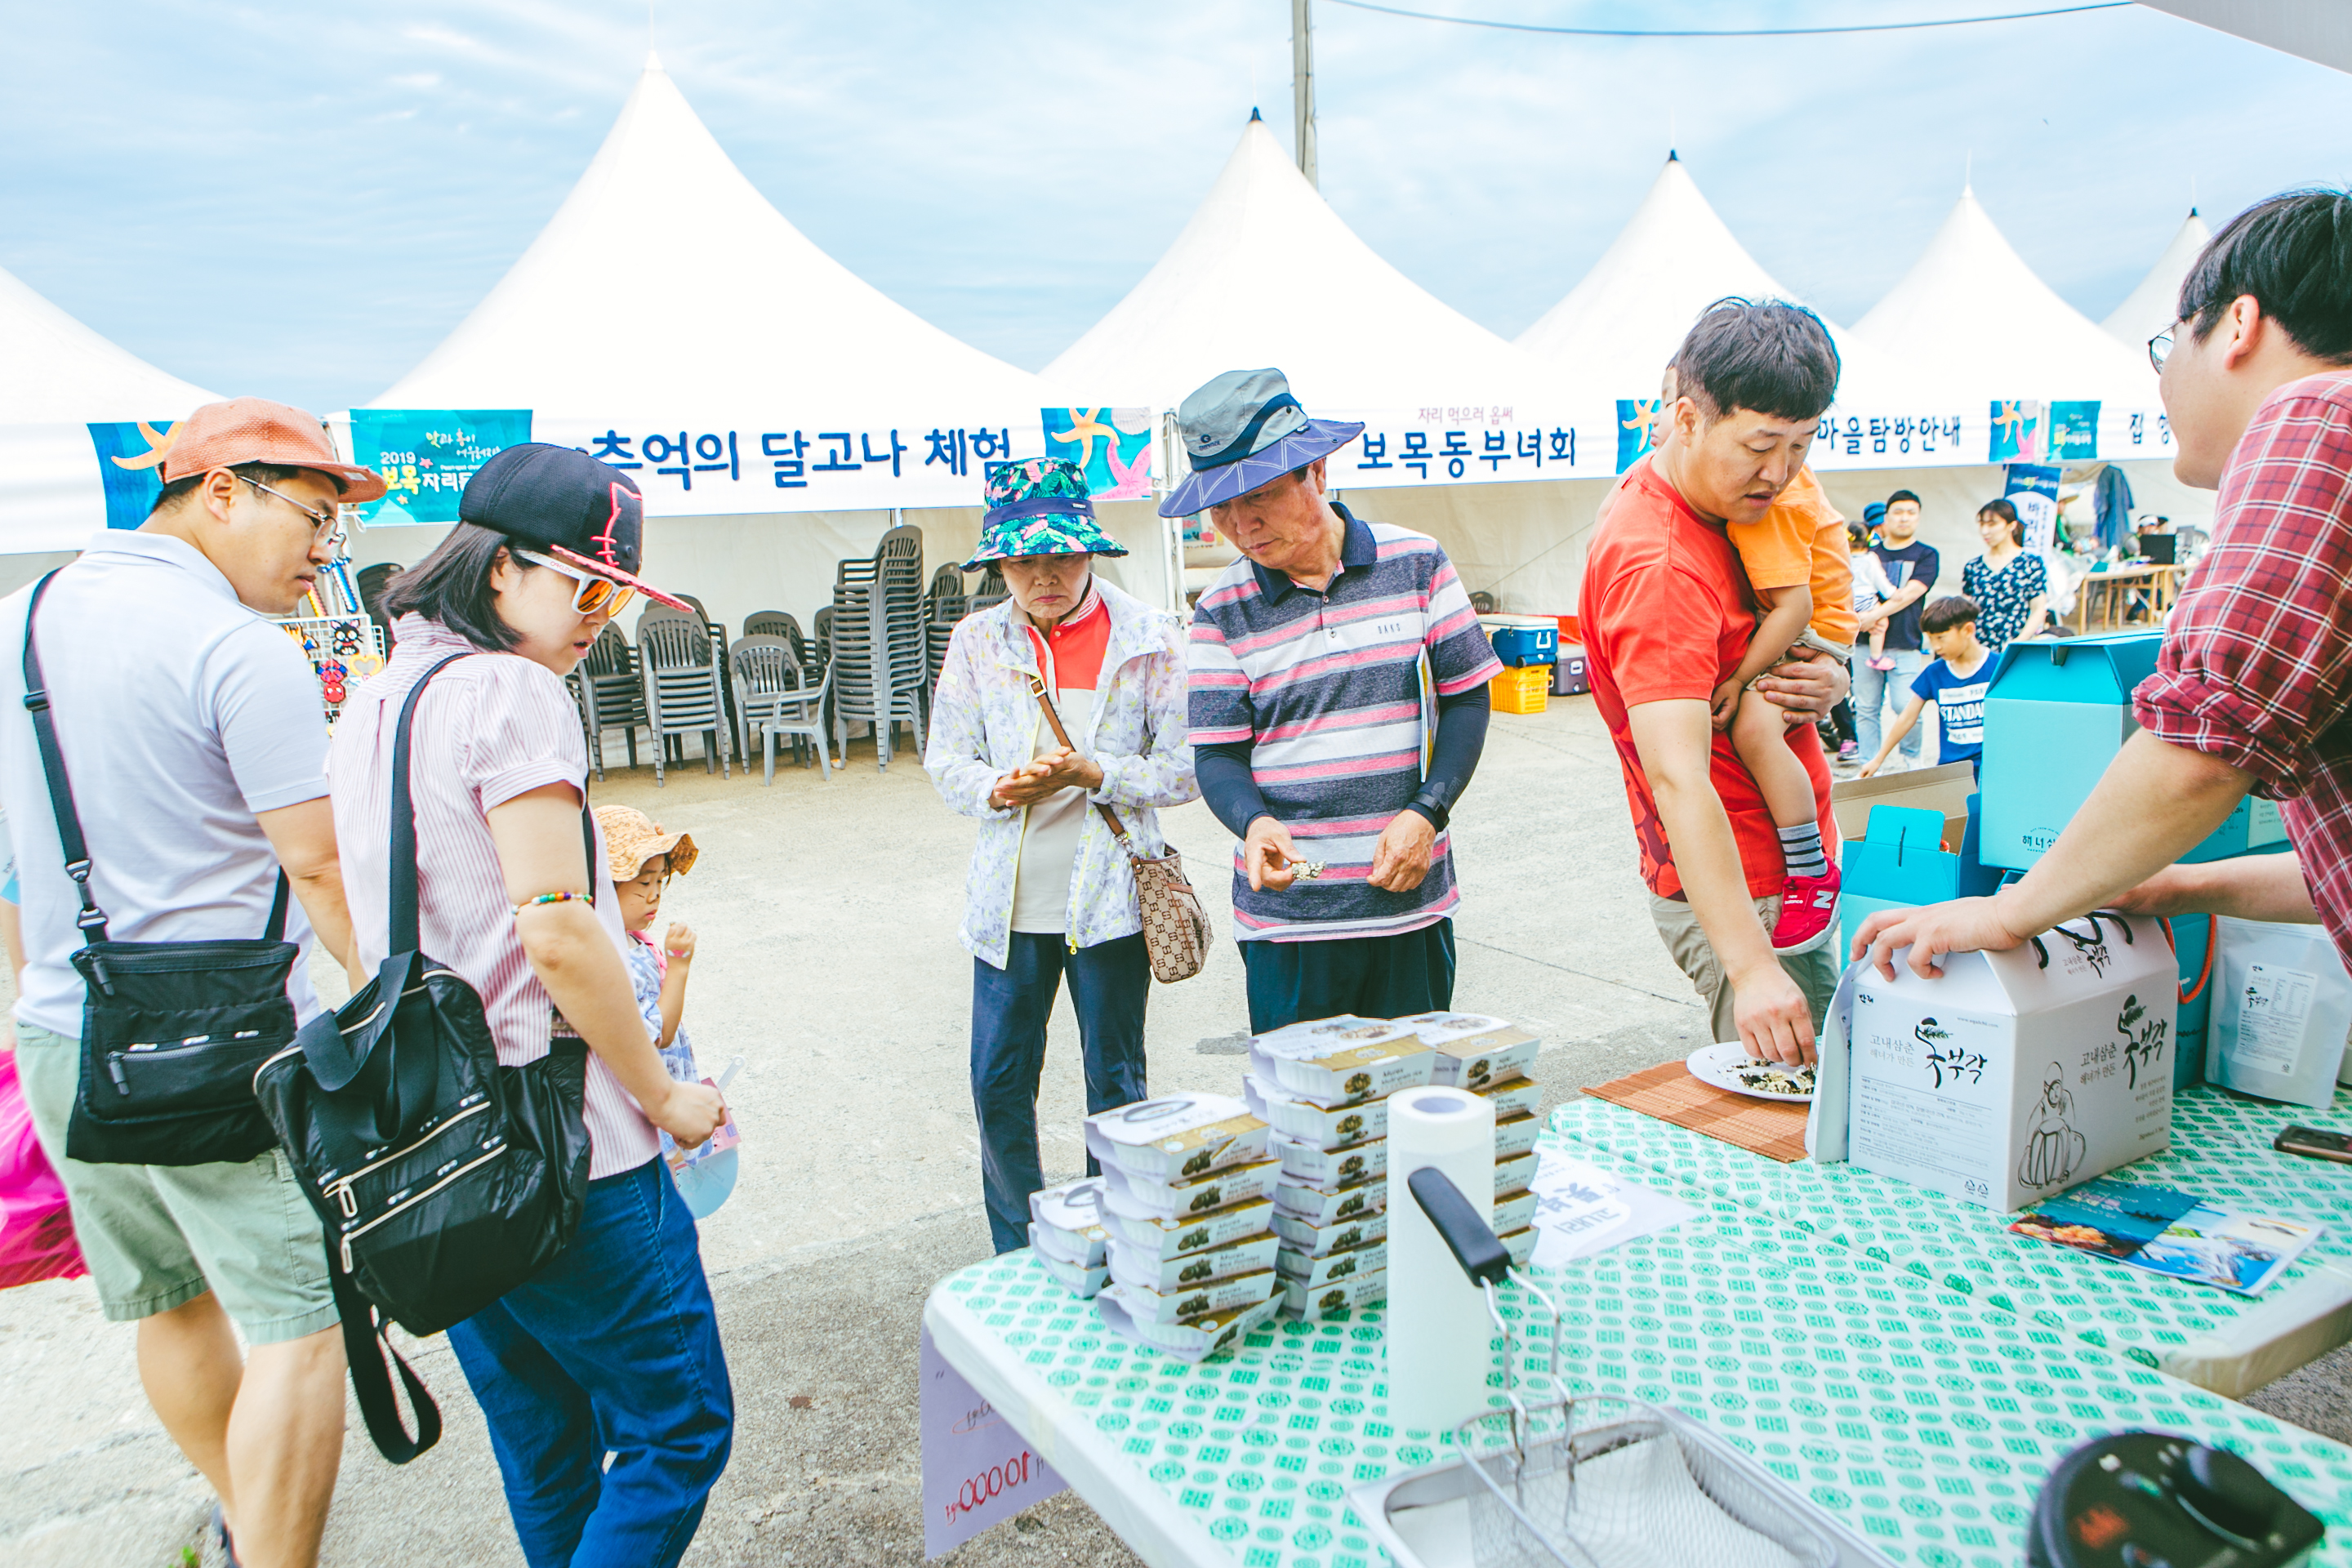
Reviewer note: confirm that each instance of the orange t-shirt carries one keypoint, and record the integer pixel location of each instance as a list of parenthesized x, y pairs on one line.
[(1803, 540), (1666, 614)]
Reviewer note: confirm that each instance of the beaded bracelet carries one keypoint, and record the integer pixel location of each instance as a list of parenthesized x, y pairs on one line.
[(553, 899)]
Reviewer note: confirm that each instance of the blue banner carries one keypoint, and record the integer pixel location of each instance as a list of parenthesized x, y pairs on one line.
[(127, 455), (426, 454), (1112, 444), (2074, 432), (1637, 420), (2032, 489), (2016, 432)]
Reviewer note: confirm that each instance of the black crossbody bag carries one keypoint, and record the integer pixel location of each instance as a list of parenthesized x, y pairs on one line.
[(444, 1179), (171, 1031)]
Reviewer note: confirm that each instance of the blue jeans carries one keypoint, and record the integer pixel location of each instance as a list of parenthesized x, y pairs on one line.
[(1377, 976), (1875, 689), (612, 1347), (1110, 984)]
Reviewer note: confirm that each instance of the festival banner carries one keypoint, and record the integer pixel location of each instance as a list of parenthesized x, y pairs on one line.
[(2016, 432), (2074, 432), (128, 454), (1637, 428), (1112, 444), (2032, 489), (425, 457)]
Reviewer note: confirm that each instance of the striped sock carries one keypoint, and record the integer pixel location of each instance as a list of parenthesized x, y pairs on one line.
[(1802, 848)]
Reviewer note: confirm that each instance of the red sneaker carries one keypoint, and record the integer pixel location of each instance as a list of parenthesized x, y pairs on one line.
[(1809, 911)]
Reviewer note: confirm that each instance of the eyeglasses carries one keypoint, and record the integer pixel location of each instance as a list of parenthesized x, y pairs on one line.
[(594, 593), (2159, 347), (326, 527)]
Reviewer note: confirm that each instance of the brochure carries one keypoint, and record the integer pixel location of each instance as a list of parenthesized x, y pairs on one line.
[(2170, 1232), (1581, 1209)]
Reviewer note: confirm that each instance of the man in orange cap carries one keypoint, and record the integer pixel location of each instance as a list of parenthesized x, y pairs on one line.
[(195, 747)]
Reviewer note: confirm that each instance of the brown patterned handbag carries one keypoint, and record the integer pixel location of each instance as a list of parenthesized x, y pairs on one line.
[(1175, 928)]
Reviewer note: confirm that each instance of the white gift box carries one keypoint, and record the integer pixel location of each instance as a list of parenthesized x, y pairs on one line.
[(1341, 1061), (1474, 1050), (1176, 1136)]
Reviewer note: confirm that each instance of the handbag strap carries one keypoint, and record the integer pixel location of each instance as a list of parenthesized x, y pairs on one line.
[(1110, 818), (402, 933), (92, 919), (365, 1348)]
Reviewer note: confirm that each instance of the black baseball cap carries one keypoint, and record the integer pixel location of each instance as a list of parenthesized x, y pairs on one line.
[(564, 503)]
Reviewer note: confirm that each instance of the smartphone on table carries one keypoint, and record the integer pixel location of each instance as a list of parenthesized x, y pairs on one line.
[(2313, 1144)]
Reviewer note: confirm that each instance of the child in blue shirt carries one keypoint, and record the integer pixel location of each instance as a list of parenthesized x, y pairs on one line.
[(1955, 682)]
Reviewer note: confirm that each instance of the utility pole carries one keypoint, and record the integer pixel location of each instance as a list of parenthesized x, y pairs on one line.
[(1302, 86)]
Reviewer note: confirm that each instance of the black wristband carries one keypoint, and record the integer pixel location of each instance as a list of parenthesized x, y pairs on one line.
[(1438, 815)]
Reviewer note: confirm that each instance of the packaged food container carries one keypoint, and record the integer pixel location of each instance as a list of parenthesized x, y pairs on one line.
[(1318, 1241), (1304, 1162), (1371, 1258), (1067, 1222), (1164, 1237), (1195, 1339), (1514, 1213), (1341, 1061), (1363, 1290), (1324, 1127), (1195, 1300), (1134, 1266), (1512, 1096), (1472, 1049), (1329, 1205), (1516, 1136), (1082, 1280), (1176, 1135), (1513, 1174), (1140, 1197), (1520, 1244)]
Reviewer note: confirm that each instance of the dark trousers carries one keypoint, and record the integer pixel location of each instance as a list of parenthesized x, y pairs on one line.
[(1110, 984), (612, 1349), (1377, 976)]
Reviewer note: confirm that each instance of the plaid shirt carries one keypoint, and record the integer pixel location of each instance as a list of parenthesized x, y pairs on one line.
[(2256, 668)]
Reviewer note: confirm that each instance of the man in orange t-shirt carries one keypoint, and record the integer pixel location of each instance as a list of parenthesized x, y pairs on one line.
[(1668, 616)]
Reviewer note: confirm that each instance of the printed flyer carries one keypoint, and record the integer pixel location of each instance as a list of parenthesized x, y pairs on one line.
[(2170, 1232)]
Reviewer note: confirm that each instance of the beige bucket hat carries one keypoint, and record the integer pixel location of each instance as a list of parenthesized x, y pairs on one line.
[(632, 839)]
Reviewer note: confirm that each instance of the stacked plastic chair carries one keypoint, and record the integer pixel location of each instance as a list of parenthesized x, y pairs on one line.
[(609, 694), (775, 701), (944, 606), (679, 663), (879, 653)]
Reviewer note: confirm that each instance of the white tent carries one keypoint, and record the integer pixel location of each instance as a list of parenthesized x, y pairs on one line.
[(62, 377), (2148, 308), (667, 300)]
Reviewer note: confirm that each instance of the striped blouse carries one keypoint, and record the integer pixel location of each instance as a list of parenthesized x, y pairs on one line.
[(488, 728)]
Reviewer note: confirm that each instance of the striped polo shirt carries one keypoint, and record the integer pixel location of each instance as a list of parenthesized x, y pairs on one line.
[(1337, 691)]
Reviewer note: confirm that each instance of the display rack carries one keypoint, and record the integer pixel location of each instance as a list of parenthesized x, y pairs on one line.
[(342, 641)]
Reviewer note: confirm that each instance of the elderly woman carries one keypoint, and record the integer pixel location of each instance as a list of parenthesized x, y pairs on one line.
[(2009, 583), (1050, 890)]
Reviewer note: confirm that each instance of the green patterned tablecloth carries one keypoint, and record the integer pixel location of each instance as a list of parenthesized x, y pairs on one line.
[(2220, 1149), (1923, 1416)]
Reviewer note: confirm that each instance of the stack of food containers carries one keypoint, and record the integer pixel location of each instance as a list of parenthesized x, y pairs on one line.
[(1187, 1190), (1490, 1058), (1068, 1232)]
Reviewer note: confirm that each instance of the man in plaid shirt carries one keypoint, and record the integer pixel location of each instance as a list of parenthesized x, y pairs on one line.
[(2253, 688)]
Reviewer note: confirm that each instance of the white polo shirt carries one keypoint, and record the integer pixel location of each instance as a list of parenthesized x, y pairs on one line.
[(181, 714)]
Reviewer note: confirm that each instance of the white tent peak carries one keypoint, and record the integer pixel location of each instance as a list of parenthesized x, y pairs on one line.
[(668, 287), (1972, 321), (1265, 273), (653, 60), (62, 372), (2147, 309)]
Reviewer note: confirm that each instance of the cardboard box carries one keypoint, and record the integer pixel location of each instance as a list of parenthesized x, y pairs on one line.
[(1176, 1135), (1082, 1280), (1371, 1258), (1944, 790), (1512, 1096), (1474, 1050), (1142, 1269), (1164, 1238), (1067, 1222), (1320, 1241), (1194, 1339), (2015, 1076), (1322, 1205), (1322, 1127), (1341, 1061), (1140, 1197), (1243, 1290), (1363, 1290), (1304, 1162), (1900, 861)]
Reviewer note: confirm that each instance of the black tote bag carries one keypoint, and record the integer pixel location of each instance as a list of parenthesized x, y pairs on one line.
[(444, 1179), (171, 1031)]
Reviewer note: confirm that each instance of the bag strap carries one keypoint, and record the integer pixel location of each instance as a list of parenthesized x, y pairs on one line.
[(404, 936), (365, 1348), (1110, 818), (93, 919)]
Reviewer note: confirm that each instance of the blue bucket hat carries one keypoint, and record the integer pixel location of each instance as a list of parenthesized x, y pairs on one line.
[(1242, 430), (1039, 506)]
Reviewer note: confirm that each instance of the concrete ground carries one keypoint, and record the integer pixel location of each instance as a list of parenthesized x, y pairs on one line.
[(826, 916)]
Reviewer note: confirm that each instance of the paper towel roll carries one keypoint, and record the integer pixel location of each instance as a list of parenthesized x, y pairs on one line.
[(1438, 1329)]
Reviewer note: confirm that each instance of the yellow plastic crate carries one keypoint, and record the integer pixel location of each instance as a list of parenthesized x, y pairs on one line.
[(1521, 690)]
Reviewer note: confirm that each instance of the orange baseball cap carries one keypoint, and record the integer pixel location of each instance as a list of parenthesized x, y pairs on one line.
[(254, 430)]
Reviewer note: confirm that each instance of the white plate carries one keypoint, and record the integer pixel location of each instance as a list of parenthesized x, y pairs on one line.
[(1720, 1064)]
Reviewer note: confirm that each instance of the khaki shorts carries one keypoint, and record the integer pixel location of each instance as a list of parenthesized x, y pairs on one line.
[(1815, 972), (1808, 638), (158, 1236)]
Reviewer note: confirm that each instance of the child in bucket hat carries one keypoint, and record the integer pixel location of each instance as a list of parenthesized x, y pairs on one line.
[(643, 859)]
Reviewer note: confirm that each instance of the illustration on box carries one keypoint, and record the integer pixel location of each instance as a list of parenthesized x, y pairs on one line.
[(2170, 1232)]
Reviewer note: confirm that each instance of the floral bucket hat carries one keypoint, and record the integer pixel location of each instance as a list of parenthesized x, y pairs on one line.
[(1040, 507)]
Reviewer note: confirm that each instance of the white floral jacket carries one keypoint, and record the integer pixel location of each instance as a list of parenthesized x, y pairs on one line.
[(984, 723)]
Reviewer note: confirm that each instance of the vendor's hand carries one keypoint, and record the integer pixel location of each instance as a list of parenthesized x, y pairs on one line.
[(689, 1113), (1931, 931), (1268, 854), (1724, 706), (677, 941), (1807, 685), (1402, 859), (1776, 1023)]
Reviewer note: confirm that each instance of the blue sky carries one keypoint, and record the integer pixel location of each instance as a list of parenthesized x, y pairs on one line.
[(300, 200)]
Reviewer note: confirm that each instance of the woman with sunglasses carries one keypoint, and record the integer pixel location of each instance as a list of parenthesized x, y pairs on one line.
[(613, 1348)]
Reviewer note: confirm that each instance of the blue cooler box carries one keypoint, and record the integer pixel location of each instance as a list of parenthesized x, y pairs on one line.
[(1526, 645)]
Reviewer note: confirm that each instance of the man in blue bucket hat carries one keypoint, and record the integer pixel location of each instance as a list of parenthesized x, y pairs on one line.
[(1339, 705)]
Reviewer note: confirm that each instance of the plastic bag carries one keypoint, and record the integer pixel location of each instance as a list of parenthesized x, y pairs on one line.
[(36, 1236), (2281, 1007)]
